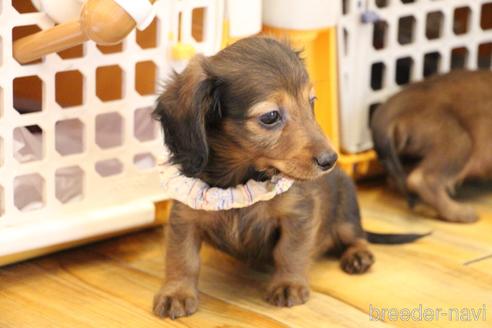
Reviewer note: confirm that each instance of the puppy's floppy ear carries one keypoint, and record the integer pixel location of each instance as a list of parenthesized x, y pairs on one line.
[(189, 103)]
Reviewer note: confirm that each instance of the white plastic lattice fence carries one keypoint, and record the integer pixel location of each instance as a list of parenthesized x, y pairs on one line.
[(78, 145), (384, 44)]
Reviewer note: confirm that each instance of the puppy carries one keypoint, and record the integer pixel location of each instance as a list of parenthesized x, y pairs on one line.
[(443, 125), (247, 113)]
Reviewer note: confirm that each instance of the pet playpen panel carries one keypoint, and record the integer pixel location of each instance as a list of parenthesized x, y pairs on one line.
[(198, 23), (77, 142), (385, 44)]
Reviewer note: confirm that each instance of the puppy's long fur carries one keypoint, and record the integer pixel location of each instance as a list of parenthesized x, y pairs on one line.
[(247, 113), (445, 124)]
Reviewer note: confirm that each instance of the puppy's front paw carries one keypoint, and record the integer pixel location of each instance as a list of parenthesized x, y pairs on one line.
[(356, 260), (287, 294), (175, 304)]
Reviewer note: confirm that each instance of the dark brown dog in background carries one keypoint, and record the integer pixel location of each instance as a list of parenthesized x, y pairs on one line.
[(444, 124), (247, 113)]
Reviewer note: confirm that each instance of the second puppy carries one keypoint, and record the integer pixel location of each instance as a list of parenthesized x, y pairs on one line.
[(443, 124)]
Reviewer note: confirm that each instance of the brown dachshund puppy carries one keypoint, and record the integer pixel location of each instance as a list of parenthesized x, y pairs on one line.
[(444, 124), (247, 113)]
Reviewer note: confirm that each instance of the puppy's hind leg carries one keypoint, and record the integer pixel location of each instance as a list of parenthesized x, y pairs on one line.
[(350, 240), (357, 258), (440, 170), (347, 232)]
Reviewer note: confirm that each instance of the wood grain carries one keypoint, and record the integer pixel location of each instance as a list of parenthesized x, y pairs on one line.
[(111, 283)]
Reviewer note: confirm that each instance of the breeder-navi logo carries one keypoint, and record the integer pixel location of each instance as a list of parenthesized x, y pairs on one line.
[(422, 313)]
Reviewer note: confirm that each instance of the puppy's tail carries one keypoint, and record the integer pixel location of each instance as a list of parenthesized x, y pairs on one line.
[(383, 137), (394, 238)]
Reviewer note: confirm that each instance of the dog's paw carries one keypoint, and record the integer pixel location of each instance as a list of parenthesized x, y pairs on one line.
[(461, 214), (175, 304), (356, 260), (287, 294)]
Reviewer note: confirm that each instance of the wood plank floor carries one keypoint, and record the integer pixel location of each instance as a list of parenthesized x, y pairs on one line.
[(111, 283)]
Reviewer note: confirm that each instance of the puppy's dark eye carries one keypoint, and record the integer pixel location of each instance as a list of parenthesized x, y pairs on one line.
[(270, 118)]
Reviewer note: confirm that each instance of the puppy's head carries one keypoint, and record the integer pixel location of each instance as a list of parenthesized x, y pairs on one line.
[(256, 98)]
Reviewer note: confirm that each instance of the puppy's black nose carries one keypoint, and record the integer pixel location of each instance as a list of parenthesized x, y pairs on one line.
[(326, 160)]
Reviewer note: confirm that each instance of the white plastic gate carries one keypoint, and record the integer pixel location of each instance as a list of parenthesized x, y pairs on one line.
[(77, 142)]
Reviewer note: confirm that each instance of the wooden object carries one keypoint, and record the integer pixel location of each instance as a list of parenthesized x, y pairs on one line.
[(102, 21)]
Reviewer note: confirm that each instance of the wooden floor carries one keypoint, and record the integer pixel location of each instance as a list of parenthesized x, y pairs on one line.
[(111, 283)]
